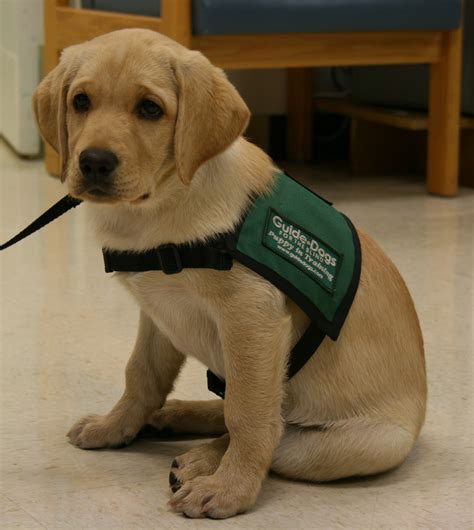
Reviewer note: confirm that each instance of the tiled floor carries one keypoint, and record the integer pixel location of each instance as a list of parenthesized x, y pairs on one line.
[(67, 329)]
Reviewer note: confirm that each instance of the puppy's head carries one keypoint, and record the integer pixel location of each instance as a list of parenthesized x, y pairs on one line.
[(129, 109)]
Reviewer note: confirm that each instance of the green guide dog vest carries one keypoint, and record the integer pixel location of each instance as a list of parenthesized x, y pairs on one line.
[(290, 236), (294, 239), (308, 249)]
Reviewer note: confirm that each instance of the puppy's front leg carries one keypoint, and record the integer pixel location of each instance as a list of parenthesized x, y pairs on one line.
[(255, 350), (149, 376)]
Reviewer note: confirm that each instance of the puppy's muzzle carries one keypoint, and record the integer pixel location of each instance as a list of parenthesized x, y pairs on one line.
[(97, 167)]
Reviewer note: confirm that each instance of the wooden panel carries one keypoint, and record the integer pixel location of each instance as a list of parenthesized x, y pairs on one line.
[(50, 51), (467, 159), (79, 25), (320, 49), (51, 159), (300, 113), (415, 121), (379, 149), (50, 60), (258, 131), (395, 118), (176, 20), (444, 118)]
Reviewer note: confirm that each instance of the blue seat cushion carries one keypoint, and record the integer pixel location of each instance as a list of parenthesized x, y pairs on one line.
[(225, 17)]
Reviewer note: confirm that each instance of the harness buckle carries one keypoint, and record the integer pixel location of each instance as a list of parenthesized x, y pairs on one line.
[(223, 260), (170, 260)]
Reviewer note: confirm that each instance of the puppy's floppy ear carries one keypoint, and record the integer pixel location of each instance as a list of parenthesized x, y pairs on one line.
[(211, 114), (50, 105)]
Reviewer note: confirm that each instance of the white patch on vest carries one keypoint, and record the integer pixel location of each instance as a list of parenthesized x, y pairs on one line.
[(302, 249)]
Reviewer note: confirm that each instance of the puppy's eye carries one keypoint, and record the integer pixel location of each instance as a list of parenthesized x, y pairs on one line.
[(81, 103), (149, 110)]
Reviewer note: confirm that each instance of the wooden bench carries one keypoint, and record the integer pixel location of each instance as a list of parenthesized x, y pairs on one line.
[(300, 53)]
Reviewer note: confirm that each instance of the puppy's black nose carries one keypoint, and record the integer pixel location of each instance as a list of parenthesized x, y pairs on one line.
[(97, 164)]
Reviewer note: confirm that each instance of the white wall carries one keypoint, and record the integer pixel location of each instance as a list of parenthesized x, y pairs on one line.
[(21, 38)]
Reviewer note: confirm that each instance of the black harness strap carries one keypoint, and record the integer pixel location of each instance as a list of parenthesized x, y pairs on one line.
[(215, 384), (299, 356), (170, 258), (303, 350), (62, 206)]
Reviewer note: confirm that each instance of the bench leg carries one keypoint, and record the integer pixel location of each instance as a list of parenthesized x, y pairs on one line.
[(177, 20), (300, 113), (444, 118), (50, 60)]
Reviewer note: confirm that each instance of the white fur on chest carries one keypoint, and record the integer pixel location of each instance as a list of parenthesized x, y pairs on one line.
[(180, 314)]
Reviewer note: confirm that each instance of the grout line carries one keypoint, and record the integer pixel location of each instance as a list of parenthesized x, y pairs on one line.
[(20, 507)]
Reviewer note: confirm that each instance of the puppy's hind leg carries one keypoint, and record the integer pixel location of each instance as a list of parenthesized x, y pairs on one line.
[(352, 447), (150, 374), (190, 417)]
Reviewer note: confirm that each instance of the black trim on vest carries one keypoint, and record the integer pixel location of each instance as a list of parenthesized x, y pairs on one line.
[(307, 189), (304, 349), (354, 284)]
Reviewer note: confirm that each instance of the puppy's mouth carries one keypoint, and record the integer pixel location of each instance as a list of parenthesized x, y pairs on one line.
[(140, 199), (97, 192), (104, 195), (98, 195), (94, 193)]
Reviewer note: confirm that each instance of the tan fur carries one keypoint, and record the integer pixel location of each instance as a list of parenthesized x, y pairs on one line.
[(358, 405)]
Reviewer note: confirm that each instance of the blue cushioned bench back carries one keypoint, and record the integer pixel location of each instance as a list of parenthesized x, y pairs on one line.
[(149, 8), (224, 17), (407, 86), (214, 17)]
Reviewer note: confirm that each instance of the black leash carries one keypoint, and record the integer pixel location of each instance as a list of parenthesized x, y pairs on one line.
[(58, 209)]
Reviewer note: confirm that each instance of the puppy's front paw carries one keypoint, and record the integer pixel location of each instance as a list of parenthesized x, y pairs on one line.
[(217, 496), (95, 432)]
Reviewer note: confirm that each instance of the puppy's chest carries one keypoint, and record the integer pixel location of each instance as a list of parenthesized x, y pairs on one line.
[(179, 313)]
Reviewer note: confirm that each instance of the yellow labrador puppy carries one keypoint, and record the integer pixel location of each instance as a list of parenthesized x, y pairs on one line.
[(166, 127)]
